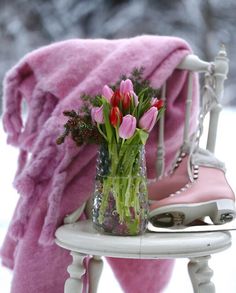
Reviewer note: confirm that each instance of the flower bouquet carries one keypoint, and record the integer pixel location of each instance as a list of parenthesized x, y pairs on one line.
[(121, 119)]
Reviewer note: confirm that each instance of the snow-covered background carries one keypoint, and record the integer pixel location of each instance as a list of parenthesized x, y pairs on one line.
[(26, 25)]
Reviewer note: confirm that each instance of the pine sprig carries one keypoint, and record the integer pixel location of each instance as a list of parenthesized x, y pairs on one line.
[(81, 129)]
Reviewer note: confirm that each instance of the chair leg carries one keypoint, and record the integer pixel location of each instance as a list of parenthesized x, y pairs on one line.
[(74, 284), (200, 275), (95, 270)]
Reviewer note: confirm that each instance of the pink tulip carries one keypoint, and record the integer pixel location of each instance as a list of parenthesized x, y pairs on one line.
[(97, 114), (148, 120), (127, 127), (126, 86), (127, 89), (107, 92)]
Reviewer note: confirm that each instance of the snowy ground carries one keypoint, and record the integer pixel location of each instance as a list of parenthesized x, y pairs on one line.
[(224, 264)]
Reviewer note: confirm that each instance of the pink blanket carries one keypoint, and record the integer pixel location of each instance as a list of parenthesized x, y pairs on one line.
[(54, 180)]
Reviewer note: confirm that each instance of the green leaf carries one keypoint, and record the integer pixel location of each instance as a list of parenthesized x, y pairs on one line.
[(143, 91), (108, 127), (143, 135)]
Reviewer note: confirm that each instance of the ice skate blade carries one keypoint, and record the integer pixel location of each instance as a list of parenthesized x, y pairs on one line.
[(220, 211), (204, 227)]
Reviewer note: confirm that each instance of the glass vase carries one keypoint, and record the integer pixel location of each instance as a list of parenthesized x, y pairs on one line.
[(120, 203)]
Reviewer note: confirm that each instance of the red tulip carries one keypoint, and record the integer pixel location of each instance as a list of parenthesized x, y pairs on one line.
[(116, 98), (115, 116), (157, 103), (126, 101)]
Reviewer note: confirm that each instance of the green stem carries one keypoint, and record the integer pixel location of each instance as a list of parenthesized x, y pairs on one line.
[(105, 192), (101, 132), (123, 181)]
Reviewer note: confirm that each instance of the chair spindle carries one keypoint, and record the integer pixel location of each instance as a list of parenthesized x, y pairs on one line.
[(160, 163)]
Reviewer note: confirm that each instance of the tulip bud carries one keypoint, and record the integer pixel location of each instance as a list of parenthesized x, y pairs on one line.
[(157, 103), (116, 98), (148, 120), (127, 127), (126, 86), (126, 101), (115, 116), (97, 114), (107, 92)]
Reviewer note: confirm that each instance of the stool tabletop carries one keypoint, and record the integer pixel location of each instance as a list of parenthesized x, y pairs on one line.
[(82, 237)]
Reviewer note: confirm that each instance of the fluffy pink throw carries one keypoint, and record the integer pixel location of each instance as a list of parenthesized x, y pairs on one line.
[(54, 180)]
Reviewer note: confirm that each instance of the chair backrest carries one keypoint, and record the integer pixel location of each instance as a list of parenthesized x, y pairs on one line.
[(213, 88), (215, 74)]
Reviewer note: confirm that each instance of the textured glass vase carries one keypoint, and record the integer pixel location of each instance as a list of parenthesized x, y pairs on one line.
[(120, 204)]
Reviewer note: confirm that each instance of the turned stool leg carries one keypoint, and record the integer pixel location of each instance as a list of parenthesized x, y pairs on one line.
[(95, 269), (74, 284), (200, 275)]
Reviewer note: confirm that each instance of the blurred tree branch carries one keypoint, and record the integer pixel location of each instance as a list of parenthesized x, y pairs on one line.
[(26, 25)]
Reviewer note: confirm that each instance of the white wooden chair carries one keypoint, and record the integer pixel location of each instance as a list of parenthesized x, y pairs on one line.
[(81, 239)]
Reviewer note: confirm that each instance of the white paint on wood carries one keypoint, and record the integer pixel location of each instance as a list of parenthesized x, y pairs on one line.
[(76, 270), (82, 239), (160, 163), (95, 270), (200, 275)]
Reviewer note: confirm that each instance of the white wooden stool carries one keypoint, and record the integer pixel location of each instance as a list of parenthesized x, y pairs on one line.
[(81, 239)]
